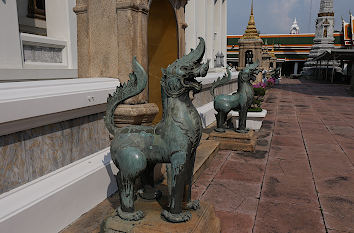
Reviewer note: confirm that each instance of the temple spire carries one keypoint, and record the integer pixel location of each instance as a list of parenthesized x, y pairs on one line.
[(251, 31), (252, 8)]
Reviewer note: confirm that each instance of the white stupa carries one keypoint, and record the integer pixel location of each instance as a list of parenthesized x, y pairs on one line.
[(324, 38), (294, 29)]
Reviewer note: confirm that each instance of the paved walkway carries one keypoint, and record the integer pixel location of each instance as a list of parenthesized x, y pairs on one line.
[(301, 178)]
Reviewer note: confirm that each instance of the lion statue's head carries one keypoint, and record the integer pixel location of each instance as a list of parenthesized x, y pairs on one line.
[(180, 77), (249, 73)]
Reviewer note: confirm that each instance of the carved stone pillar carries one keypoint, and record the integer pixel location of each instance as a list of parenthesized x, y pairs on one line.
[(132, 18), (352, 73), (82, 38), (110, 33), (179, 6), (97, 38)]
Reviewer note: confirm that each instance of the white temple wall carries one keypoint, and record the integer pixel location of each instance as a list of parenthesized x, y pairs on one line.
[(224, 29), (207, 19), (25, 56), (61, 24), (210, 31), (10, 52), (217, 25)]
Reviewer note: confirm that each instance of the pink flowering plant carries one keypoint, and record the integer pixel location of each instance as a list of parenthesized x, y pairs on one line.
[(259, 92), (259, 85), (270, 82)]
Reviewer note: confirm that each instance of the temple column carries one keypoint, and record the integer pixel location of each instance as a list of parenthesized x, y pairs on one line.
[(109, 34), (296, 67), (352, 73), (132, 18), (179, 6), (97, 38)]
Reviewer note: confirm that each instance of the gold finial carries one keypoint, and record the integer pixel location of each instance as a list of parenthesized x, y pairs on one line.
[(252, 8), (251, 31)]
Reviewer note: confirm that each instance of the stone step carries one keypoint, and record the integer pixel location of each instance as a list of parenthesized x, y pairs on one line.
[(231, 140), (206, 152)]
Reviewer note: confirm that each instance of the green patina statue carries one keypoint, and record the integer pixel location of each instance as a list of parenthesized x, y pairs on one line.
[(275, 74), (239, 101), (136, 149)]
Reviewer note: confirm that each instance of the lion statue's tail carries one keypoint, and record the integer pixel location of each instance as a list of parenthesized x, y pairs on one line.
[(220, 81), (135, 85)]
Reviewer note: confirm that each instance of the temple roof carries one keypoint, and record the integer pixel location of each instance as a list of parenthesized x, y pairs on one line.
[(251, 30)]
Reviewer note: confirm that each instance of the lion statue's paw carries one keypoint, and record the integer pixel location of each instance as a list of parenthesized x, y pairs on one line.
[(192, 205), (242, 131), (176, 218), (133, 216)]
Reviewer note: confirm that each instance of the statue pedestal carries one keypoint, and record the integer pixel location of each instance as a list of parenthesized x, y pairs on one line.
[(231, 140), (137, 114), (203, 221)]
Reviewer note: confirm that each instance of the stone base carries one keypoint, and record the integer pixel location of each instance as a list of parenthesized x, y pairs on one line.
[(254, 119), (203, 220), (206, 152), (138, 114), (231, 140)]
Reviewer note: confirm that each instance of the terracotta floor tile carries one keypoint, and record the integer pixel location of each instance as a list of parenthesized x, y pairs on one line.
[(287, 141), (286, 131), (289, 166), (205, 178), (287, 117), (337, 123), (257, 157), (326, 165), (344, 131), (232, 196), (336, 231), (324, 149), (315, 139), (337, 185), (282, 217), (197, 191), (286, 151), (312, 126), (338, 212), (235, 222), (241, 172), (297, 190)]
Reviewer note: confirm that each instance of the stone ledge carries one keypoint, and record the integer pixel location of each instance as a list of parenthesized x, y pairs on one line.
[(206, 152), (231, 140), (203, 220)]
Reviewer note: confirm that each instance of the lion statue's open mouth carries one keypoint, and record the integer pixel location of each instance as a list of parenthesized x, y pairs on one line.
[(180, 76)]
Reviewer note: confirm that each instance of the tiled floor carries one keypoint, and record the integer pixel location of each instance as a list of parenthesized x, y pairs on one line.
[(301, 178)]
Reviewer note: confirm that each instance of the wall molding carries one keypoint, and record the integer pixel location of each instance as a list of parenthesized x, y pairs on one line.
[(138, 7), (34, 122), (58, 99), (52, 202), (39, 71)]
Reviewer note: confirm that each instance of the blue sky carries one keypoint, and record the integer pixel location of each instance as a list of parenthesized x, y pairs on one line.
[(276, 16)]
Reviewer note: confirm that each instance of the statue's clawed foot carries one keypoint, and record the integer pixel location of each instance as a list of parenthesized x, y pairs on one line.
[(242, 130), (130, 216), (192, 205), (220, 130), (176, 218)]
